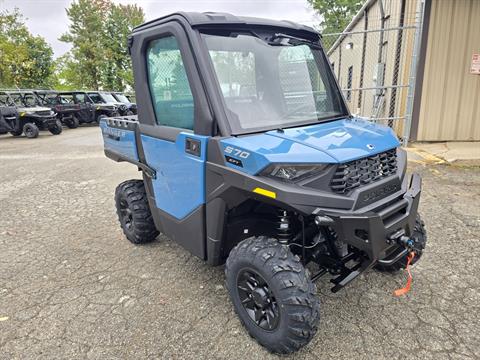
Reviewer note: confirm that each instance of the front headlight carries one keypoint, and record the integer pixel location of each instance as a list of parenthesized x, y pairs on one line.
[(292, 173)]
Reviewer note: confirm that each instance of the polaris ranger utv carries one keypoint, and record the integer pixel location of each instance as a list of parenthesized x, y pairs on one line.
[(67, 112), (250, 156), (32, 116), (90, 112), (122, 99), (106, 100)]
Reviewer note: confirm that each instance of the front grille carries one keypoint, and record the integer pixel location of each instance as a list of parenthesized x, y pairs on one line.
[(43, 112), (364, 171)]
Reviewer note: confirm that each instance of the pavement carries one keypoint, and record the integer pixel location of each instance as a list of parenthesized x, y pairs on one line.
[(458, 152), (72, 287)]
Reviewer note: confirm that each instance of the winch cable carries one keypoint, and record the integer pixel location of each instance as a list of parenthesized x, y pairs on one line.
[(406, 288)]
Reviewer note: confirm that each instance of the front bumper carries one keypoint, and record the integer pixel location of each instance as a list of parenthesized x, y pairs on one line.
[(371, 230), (42, 121)]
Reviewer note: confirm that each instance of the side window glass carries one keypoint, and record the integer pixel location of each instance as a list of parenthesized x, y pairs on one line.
[(79, 98), (171, 94)]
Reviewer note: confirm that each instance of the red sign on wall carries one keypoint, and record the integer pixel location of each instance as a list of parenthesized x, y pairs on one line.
[(475, 68)]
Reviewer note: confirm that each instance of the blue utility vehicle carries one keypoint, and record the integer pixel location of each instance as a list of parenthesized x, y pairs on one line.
[(250, 157)]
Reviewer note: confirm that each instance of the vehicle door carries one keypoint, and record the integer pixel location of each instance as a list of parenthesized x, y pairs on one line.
[(173, 115)]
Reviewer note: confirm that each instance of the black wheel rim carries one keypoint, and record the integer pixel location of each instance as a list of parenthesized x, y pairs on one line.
[(126, 214), (29, 131), (258, 300)]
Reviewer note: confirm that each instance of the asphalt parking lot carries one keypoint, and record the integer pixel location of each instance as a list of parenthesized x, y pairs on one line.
[(72, 287)]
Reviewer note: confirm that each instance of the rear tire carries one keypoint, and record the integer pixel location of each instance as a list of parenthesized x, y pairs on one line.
[(16, 133), (282, 310), (57, 128), (420, 237), (134, 212), (31, 130)]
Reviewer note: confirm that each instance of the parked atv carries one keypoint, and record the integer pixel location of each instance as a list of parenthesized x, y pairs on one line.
[(250, 157), (90, 112), (9, 120), (122, 99), (67, 112), (105, 99), (32, 116)]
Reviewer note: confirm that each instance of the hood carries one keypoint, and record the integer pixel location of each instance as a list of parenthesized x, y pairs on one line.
[(33, 109), (333, 142), (109, 104)]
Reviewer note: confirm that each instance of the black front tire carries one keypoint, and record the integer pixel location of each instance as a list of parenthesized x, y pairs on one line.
[(296, 307), (134, 212), (56, 129), (31, 130), (72, 123), (100, 117), (420, 237)]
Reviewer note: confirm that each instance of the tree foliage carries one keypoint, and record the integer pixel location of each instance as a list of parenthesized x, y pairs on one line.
[(336, 14), (98, 35), (26, 61)]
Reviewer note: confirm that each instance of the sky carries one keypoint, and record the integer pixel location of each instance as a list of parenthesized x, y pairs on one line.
[(49, 19)]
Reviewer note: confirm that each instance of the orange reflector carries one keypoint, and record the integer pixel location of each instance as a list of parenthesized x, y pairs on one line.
[(265, 192), (406, 289)]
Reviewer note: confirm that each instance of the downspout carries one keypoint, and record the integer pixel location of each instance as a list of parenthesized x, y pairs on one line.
[(420, 71)]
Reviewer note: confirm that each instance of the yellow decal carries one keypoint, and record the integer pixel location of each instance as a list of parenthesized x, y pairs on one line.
[(22, 114), (264, 192)]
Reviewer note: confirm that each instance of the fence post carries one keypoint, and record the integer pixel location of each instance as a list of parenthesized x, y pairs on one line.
[(413, 71)]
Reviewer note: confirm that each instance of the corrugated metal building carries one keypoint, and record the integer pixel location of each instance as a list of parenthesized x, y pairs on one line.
[(447, 94)]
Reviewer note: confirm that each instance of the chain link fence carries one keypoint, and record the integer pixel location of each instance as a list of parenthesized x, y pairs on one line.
[(375, 63)]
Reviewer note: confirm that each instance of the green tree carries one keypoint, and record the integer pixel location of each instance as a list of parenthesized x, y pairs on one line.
[(98, 34), (120, 22), (26, 61), (336, 14), (85, 35), (67, 75)]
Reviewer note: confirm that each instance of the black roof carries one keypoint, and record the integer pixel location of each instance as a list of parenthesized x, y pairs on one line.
[(216, 19)]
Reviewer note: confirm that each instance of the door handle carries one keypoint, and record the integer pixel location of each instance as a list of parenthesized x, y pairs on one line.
[(192, 146)]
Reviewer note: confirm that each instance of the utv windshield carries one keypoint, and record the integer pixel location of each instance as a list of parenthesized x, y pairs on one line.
[(24, 99), (98, 98), (122, 98), (108, 98), (5, 100), (269, 85)]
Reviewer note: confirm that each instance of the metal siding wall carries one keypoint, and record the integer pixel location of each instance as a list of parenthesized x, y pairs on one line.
[(450, 105)]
